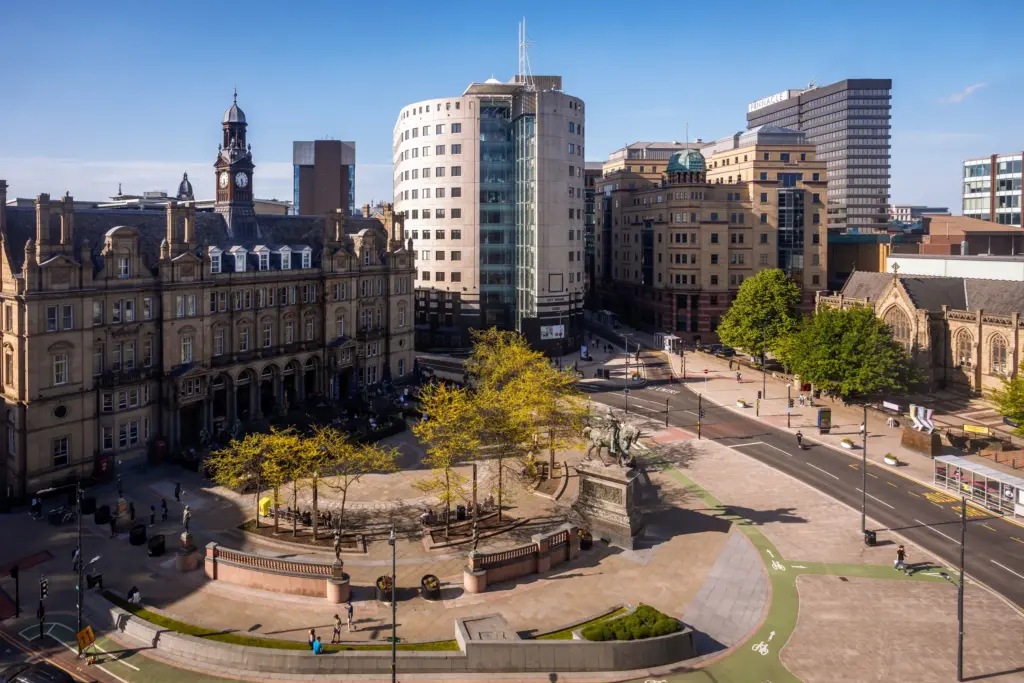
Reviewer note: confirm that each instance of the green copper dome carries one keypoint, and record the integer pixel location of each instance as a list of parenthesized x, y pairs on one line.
[(686, 160)]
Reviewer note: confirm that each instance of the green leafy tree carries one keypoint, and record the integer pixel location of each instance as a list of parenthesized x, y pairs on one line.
[(451, 432), (1010, 400), (765, 310), (848, 352)]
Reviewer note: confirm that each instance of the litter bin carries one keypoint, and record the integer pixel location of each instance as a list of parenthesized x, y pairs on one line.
[(94, 581), (156, 545), (102, 514), (137, 535), (460, 513), (870, 538), (88, 505)]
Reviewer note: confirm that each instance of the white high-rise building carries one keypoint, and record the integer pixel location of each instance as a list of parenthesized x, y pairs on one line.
[(490, 185)]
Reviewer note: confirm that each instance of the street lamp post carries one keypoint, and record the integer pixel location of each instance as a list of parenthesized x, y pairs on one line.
[(764, 373), (864, 475), (81, 559), (960, 592), (394, 606)]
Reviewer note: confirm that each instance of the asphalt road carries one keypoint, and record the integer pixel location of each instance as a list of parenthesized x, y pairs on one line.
[(928, 518)]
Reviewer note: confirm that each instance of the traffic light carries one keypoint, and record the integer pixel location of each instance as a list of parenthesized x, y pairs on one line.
[(790, 403), (44, 587), (758, 394), (701, 413)]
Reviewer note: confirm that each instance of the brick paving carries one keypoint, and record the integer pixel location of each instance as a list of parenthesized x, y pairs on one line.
[(874, 630)]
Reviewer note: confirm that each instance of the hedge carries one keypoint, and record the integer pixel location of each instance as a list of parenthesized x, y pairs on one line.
[(645, 622)]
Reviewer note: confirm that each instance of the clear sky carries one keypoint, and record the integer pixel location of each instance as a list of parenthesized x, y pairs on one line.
[(99, 93)]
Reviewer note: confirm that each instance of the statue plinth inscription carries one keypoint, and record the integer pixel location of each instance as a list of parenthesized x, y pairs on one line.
[(606, 503)]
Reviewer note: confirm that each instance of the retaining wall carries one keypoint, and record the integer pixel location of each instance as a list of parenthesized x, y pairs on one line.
[(267, 573), (545, 551)]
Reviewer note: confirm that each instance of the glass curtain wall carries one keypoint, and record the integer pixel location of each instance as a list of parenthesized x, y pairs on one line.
[(497, 214), (526, 217), (791, 233)]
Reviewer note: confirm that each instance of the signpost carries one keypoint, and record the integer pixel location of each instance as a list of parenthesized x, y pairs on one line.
[(85, 638)]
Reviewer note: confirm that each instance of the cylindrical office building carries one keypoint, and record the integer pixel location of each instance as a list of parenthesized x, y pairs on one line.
[(490, 185)]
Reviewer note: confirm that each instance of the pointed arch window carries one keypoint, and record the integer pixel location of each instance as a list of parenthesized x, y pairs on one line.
[(963, 349), (899, 323), (998, 356)]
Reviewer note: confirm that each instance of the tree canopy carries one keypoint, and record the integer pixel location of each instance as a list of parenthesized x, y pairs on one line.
[(848, 352), (765, 309), (1010, 400)]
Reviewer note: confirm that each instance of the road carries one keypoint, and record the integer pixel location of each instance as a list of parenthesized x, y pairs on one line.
[(928, 518)]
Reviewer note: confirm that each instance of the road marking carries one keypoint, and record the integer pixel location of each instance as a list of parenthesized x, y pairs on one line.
[(75, 650), (915, 495), (798, 566), (936, 530), (894, 485), (1006, 568), (778, 566), (770, 636), (761, 648), (938, 506), (971, 511), (988, 527), (875, 476), (644, 400), (770, 553), (878, 500), (823, 471), (116, 658), (762, 443), (937, 497), (1014, 538), (856, 467)]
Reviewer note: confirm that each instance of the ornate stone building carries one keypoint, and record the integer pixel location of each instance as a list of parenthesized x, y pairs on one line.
[(961, 331), (125, 328)]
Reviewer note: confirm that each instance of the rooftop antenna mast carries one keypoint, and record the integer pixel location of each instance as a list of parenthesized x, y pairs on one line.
[(525, 75)]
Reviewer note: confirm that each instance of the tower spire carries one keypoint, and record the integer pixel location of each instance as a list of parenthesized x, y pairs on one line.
[(236, 95)]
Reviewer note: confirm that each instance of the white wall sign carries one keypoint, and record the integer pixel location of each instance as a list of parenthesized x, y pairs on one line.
[(767, 101)]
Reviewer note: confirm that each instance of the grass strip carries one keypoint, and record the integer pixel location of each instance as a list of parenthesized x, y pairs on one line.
[(566, 633), (235, 638)]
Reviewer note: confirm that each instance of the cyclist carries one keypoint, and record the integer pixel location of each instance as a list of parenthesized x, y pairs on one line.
[(800, 440)]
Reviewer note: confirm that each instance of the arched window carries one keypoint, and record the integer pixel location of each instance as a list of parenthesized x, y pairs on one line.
[(998, 355), (899, 324), (963, 349)]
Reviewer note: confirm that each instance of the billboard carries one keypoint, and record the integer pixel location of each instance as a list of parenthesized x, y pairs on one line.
[(548, 332)]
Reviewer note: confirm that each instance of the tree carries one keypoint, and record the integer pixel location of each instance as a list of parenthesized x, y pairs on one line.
[(343, 462), (451, 430), (1010, 400), (764, 311), (848, 352), (280, 466), (506, 417), (239, 465), (559, 406)]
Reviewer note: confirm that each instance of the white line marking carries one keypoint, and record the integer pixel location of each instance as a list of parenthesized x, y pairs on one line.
[(877, 499), (769, 552), (1006, 568), (644, 400), (823, 471), (116, 658), (75, 651), (937, 531), (798, 566), (762, 443)]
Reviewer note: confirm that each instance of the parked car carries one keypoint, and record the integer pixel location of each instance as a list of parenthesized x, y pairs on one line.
[(724, 352), (40, 672)]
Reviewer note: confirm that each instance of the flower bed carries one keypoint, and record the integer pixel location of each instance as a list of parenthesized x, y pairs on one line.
[(566, 633), (430, 587), (383, 586), (644, 622), (586, 539)]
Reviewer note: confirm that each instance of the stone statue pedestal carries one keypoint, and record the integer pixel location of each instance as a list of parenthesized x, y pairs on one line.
[(474, 580), (187, 558), (607, 503), (338, 588), (122, 520)]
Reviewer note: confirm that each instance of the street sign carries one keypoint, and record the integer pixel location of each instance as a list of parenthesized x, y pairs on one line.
[(85, 637), (705, 371), (626, 391), (394, 640)]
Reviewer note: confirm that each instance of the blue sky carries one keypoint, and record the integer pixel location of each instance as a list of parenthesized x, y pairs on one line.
[(134, 92)]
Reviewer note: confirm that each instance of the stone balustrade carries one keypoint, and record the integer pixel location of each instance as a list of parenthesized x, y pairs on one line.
[(545, 552), (314, 579)]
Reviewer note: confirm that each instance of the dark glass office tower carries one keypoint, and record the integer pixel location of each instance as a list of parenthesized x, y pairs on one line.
[(849, 122)]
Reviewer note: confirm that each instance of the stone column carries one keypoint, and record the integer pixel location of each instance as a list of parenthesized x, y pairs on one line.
[(474, 576), (543, 552), (574, 541)]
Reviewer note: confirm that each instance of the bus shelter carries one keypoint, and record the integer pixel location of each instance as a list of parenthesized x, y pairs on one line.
[(992, 489)]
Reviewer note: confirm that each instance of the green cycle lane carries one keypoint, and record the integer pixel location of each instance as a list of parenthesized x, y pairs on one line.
[(756, 660), (114, 661)]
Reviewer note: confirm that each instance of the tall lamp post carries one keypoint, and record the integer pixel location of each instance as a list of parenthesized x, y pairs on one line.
[(394, 606), (960, 591), (764, 373), (81, 559), (864, 475)]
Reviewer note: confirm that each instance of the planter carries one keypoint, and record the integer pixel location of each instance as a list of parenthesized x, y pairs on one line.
[(846, 443), (156, 545), (382, 588), (741, 404), (586, 539), (430, 587), (137, 534), (891, 460)]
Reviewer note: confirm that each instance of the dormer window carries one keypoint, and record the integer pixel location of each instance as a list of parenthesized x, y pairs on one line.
[(124, 267), (307, 258), (264, 261), (239, 253), (366, 257), (215, 260), (286, 260)]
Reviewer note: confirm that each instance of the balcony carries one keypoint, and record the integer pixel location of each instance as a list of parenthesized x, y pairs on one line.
[(116, 378), (369, 333)]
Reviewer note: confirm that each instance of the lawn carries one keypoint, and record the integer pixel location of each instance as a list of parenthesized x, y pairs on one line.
[(566, 633), (235, 638)]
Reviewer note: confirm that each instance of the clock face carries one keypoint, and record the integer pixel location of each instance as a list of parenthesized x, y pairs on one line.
[(241, 179), (224, 179)]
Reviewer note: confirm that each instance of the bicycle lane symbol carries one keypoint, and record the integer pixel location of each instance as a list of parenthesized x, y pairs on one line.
[(762, 647)]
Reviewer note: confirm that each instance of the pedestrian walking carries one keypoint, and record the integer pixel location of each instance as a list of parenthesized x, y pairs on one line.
[(863, 427), (349, 611), (131, 511), (163, 509), (800, 440), (312, 637), (152, 515), (738, 376), (891, 422), (800, 400), (336, 636), (730, 364), (177, 492), (113, 526), (901, 560)]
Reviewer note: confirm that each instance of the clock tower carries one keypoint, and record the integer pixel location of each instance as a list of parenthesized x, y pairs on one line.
[(233, 175)]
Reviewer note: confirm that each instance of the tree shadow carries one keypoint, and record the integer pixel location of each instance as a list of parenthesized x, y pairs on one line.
[(745, 516)]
